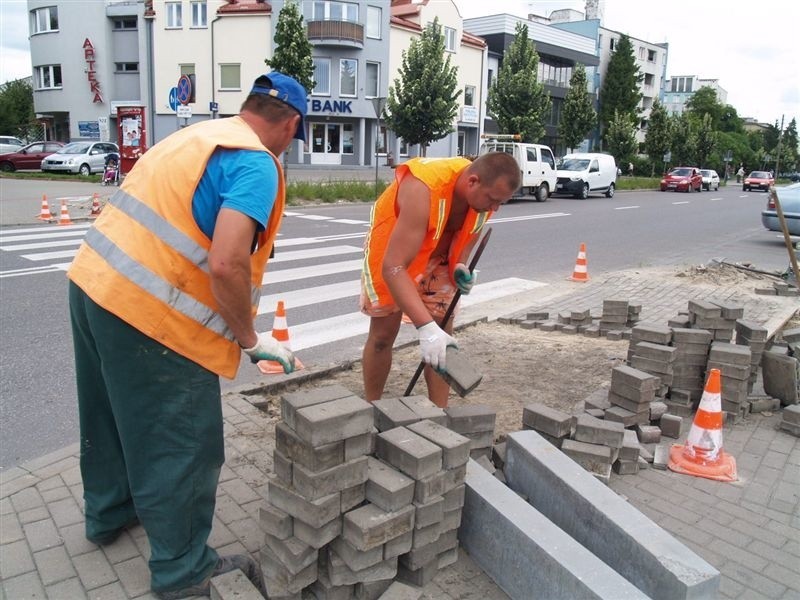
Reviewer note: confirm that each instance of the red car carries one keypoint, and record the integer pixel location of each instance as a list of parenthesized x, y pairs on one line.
[(683, 179), (758, 180), (28, 157)]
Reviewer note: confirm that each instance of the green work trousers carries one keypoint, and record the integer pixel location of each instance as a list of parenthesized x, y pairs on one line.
[(151, 442)]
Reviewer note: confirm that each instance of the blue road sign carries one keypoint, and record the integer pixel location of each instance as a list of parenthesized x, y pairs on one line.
[(184, 89), (173, 98)]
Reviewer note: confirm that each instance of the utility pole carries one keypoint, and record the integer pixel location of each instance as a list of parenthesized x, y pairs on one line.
[(778, 149)]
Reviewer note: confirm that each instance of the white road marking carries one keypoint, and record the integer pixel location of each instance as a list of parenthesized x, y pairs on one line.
[(684, 202), (626, 207), (273, 277)]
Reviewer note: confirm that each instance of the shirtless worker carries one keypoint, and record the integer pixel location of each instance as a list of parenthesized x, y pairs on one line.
[(423, 228)]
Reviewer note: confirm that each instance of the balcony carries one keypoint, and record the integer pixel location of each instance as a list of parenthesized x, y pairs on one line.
[(336, 33)]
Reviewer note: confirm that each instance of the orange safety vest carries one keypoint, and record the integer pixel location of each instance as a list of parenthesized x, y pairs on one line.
[(440, 175), (146, 260)]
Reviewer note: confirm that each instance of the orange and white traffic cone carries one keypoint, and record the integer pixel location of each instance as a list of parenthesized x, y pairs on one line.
[(64, 218), (96, 208), (702, 454), (44, 213), (280, 331), (580, 273)]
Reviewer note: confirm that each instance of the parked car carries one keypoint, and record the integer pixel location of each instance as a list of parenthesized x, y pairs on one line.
[(536, 163), (579, 174), (682, 179), (28, 157), (789, 197), (758, 180), (9, 143), (79, 157), (710, 179)]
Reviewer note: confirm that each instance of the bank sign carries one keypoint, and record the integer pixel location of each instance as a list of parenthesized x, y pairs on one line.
[(335, 106)]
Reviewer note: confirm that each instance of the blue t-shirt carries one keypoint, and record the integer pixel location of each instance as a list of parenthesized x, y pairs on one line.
[(241, 180)]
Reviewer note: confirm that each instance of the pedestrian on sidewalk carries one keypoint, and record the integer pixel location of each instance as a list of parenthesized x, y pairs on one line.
[(740, 174), (423, 228), (163, 294)]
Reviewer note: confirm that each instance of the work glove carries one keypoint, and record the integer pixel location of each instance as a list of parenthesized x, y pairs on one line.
[(464, 278), (268, 348), (433, 343)]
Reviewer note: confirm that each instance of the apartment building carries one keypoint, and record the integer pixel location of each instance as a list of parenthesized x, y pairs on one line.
[(678, 90)]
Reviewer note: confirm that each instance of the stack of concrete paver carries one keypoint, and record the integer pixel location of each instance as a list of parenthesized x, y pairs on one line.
[(631, 393), (689, 368), (778, 288), (476, 422), (720, 320), (618, 315), (754, 336), (552, 424), (733, 362), (790, 420)]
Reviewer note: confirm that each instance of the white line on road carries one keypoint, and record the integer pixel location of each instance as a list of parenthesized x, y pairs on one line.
[(43, 235), (625, 207), (350, 221), (345, 266), (684, 202), (38, 245), (44, 228), (313, 253), (50, 255), (308, 296), (34, 270), (527, 218), (714, 199), (315, 217)]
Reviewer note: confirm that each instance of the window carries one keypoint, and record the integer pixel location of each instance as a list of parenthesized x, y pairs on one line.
[(125, 67), (44, 19), (642, 53), (174, 20), (199, 14), (373, 80), (187, 69), (322, 75), (469, 95), (124, 23), (611, 43), (230, 77), (651, 56), (449, 39), (648, 79), (348, 69), (374, 18), (47, 77), (334, 11), (347, 138)]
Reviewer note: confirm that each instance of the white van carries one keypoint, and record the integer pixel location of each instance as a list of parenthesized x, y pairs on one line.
[(536, 162), (580, 174)]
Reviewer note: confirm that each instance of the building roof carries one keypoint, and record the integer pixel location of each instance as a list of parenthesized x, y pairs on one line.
[(245, 7)]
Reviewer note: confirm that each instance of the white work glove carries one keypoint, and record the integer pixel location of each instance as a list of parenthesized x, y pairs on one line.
[(433, 343), (268, 348), (463, 278)]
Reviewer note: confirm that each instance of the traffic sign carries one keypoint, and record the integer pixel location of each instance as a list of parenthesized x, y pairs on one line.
[(173, 98), (184, 89), (213, 106), (184, 112)]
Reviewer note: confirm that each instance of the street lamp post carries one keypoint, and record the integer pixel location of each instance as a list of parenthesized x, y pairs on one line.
[(378, 104)]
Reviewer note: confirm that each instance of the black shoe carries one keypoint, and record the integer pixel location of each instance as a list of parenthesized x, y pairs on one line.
[(109, 538), (225, 564)]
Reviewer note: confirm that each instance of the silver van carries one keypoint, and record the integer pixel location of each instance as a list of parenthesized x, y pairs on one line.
[(536, 163), (584, 173)]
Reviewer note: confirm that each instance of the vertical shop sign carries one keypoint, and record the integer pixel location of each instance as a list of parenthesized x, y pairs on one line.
[(89, 57)]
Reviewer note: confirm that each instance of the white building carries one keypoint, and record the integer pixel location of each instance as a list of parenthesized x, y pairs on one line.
[(679, 89)]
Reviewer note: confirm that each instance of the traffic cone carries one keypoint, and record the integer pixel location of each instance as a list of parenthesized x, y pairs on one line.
[(44, 213), (96, 208), (280, 331), (702, 454), (580, 273), (64, 218)]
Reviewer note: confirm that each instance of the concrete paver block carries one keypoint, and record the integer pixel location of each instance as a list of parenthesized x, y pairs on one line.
[(316, 537), (401, 591), (462, 376), (312, 458), (294, 401), (233, 586), (391, 413), (388, 488), (341, 574), (634, 378), (548, 420), (369, 526), (597, 431), (314, 512), (781, 377), (455, 447), (607, 525), (334, 421), (469, 418), (425, 409), (330, 481), (411, 453)]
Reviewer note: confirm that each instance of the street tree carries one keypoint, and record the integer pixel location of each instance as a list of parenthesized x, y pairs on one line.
[(422, 103), (658, 138), (789, 153), (620, 91), (704, 102), (17, 116), (621, 138), (684, 140), (293, 53), (706, 140), (577, 115), (517, 101)]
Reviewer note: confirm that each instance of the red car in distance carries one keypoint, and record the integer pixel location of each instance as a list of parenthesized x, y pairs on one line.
[(683, 179), (28, 157), (758, 180)]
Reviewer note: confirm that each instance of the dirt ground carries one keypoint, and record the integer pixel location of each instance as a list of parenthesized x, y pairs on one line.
[(521, 366)]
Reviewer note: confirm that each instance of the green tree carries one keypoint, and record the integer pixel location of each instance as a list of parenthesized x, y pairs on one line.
[(422, 103), (658, 138), (577, 115), (16, 108), (621, 138), (293, 53), (518, 102), (706, 140), (684, 140), (620, 90), (789, 144), (704, 102)]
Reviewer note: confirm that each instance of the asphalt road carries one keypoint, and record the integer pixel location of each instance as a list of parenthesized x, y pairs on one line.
[(316, 272)]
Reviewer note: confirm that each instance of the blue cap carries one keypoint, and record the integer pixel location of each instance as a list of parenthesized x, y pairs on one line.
[(288, 90)]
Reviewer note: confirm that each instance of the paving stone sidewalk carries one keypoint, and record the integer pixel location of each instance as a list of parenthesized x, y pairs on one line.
[(749, 530)]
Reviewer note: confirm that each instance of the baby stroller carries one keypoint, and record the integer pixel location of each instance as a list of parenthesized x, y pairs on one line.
[(111, 170)]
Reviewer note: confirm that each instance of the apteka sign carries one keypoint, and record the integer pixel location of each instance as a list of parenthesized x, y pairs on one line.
[(94, 85)]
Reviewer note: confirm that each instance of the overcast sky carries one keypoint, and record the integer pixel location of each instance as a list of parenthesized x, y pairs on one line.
[(751, 48)]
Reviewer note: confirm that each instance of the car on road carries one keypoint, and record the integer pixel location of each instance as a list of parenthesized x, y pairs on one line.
[(28, 157), (9, 143), (710, 179), (789, 197), (682, 179), (79, 157), (758, 180)]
